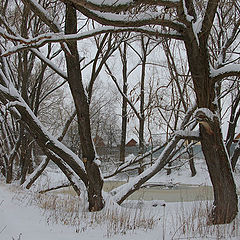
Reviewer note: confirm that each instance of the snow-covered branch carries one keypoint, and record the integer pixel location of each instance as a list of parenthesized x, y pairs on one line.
[(11, 35), (188, 134), (182, 134), (45, 140), (120, 5), (133, 161), (225, 71), (38, 171), (49, 63), (133, 20), (43, 14), (122, 192), (43, 39)]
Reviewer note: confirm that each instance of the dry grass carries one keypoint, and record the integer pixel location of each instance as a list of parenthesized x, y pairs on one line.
[(71, 211), (192, 223), (189, 221)]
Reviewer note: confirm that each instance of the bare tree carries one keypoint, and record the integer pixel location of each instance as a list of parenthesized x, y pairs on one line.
[(28, 76), (183, 18), (124, 102)]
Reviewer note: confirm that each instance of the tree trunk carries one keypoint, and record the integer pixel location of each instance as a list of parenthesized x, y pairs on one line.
[(192, 167), (191, 161), (169, 170), (225, 197), (124, 104), (142, 102), (95, 181), (36, 174)]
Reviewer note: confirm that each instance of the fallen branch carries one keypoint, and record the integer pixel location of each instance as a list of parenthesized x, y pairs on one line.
[(55, 188)]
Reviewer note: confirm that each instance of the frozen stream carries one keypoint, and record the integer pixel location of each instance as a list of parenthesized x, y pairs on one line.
[(170, 193)]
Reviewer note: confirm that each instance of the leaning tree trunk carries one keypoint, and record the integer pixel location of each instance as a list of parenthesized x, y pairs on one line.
[(225, 206), (95, 181), (225, 198)]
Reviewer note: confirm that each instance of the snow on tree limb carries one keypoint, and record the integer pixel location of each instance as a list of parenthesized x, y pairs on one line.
[(17, 38), (125, 165), (49, 63), (133, 20), (43, 14), (38, 171), (188, 134), (182, 134), (44, 138), (122, 192), (43, 39), (204, 113), (225, 71), (50, 142), (120, 5)]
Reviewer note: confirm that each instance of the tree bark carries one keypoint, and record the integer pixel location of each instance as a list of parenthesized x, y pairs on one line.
[(192, 167), (9, 172), (124, 104), (191, 161), (95, 181), (225, 205), (225, 197), (142, 102)]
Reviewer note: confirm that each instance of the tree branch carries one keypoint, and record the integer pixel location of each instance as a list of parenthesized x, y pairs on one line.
[(132, 20), (43, 39), (120, 6), (208, 19), (225, 71)]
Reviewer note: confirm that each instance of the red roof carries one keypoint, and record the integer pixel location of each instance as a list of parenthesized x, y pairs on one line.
[(131, 143)]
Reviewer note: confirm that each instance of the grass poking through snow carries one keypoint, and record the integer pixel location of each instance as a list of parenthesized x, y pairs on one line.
[(72, 211), (175, 221)]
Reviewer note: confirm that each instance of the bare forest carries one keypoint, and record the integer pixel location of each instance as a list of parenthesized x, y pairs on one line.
[(101, 88)]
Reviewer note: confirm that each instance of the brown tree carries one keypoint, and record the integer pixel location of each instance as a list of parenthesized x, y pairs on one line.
[(192, 24), (186, 20)]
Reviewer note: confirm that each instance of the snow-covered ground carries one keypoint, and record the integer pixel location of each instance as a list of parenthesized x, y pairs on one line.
[(25, 215)]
